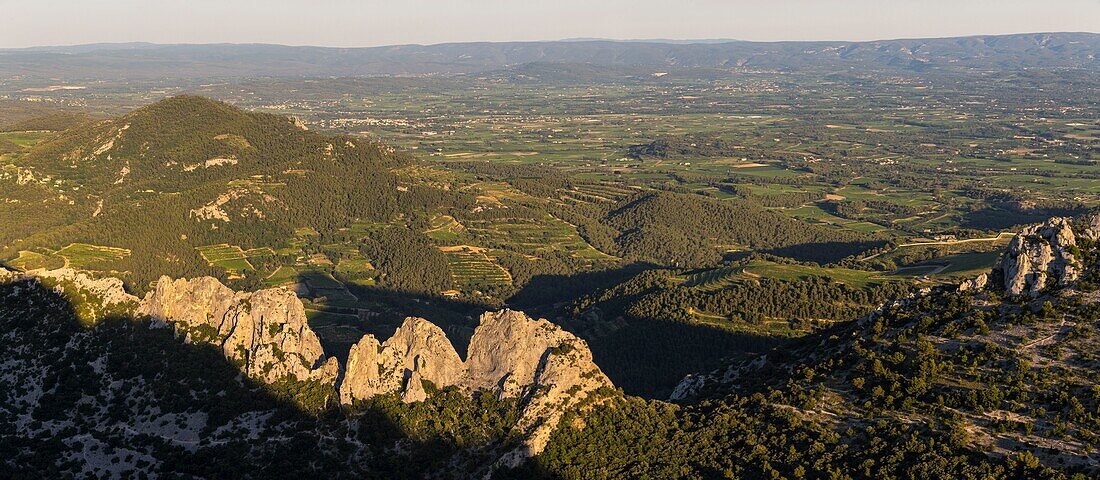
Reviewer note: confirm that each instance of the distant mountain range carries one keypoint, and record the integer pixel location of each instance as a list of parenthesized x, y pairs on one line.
[(147, 61)]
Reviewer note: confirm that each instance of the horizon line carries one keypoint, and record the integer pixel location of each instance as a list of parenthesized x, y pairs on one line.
[(685, 41)]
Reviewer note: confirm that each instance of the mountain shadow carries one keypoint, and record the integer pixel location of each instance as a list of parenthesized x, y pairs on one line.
[(645, 356)]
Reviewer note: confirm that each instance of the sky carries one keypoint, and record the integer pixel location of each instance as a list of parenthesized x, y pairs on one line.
[(349, 23)]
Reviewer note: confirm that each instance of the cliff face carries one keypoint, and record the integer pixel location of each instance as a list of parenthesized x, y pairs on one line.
[(510, 355), (264, 332), (549, 367), (1039, 257), (417, 351)]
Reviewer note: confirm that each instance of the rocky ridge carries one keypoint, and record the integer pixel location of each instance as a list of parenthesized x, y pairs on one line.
[(266, 334)]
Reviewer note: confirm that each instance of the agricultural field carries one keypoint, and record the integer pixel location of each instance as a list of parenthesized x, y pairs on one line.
[(533, 236), (472, 268), (233, 259), (26, 139), (716, 279), (944, 268), (32, 260), (284, 275), (79, 256), (445, 230), (92, 257)]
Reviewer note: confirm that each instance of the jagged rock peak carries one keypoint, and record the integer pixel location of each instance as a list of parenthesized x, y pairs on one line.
[(510, 355), (417, 351), (264, 332), (1039, 257), (551, 368)]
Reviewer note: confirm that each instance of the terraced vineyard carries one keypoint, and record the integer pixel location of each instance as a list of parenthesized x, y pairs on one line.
[(471, 268), (589, 193), (534, 237), (445, 229), (233, 259)]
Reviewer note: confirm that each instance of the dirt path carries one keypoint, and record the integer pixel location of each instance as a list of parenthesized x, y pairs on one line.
[(945, 242), (1044, 339), (953, 242)]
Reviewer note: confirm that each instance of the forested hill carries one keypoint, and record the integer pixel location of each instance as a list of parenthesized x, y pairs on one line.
[(189, 171), (674, 229), (146, 61)]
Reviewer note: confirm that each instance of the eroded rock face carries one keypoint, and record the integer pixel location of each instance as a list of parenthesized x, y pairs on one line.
[(510, 355), (264, 332), (1039, 257), (417, 351), (552, 369)]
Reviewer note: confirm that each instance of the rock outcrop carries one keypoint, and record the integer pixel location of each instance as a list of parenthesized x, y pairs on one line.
[(974, 284), (1090, 227), (264, 332), (551, 369), (417, 351), (511, 355), (107, 290), (1039, 257)]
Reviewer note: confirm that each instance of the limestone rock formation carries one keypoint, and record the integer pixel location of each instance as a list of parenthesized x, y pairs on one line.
[(510, 355), (417, 351), (548, 370), (974, 284), (1039, 257), (264, 332)]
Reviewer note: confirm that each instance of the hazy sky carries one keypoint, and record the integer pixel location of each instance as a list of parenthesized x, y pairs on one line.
[(367, 23)]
